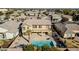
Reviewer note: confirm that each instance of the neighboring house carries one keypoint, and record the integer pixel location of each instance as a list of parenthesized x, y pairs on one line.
[(51, 12), (15, 14), (3, 10), (67, 18), (30, 13), (2, 17), (38, 25), (67, 30), (11, 26), (46, 17), (56, 18), (35, 13), (22, 16), (12, 17), (60, 28), (72, 30)]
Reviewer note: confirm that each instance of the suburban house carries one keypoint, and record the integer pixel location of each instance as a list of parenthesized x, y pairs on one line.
[(2, 17), (11, 27), (15, 14), (30, 13), (67, 18), (67, 30), (21, 17), (56, 18), (72, 30), (38, 26), (60, 28), (3, 10)]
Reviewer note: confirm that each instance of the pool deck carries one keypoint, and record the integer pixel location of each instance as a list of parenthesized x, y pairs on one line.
[(18, 41), (40, 37)]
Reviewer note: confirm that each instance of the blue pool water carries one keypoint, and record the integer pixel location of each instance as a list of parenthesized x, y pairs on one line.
[(43, 43)]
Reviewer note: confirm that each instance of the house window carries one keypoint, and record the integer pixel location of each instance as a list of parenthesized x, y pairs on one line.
[(34, 26), (40, 26)]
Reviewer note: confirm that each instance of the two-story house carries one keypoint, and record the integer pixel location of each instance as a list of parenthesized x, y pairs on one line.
[(38, 26)]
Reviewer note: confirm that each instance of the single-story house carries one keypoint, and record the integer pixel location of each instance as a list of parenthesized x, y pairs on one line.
[(30, 13), (60, 28), (72, 30), (11, 26), (56, 18), (3, 10), (67, 18), (67, 30)]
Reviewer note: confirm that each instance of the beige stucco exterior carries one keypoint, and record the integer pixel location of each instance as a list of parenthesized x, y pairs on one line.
[(38, 30)]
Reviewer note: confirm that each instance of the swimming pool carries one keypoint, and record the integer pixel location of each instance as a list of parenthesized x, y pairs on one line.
[(43, 43)]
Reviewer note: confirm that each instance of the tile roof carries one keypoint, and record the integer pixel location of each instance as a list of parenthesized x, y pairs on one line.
[(61, 27), (72, 26), (37, 22), (11, 26)]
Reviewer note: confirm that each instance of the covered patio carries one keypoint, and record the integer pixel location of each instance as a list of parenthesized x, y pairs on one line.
[(5, 35), (2, 32)]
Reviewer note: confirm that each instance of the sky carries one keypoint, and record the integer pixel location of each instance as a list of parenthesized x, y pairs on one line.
[(39, 3)]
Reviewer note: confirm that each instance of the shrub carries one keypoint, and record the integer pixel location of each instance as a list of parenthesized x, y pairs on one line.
[(45, 48), (28, 48), (54, 49)]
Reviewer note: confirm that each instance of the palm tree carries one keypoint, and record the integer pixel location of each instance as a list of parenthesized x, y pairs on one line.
[(28, 33)]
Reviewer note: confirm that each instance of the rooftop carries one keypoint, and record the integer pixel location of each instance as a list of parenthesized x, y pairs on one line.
[(72, 27), (37, 22), (11, 26), (58, 16), (67, 16), (61, 27)]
